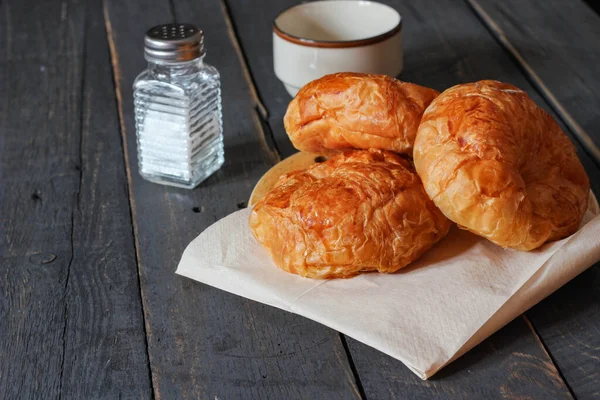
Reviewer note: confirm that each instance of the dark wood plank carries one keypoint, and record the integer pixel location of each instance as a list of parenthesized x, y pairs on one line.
[(252, 26), (444, 45), (105, 353), (71, 321), (205, 343), (508, 365), (557, 44), (568, 323)]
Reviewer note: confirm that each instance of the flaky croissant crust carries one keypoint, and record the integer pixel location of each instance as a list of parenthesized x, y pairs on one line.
[(359, 211), (498, 165), (356, 111)]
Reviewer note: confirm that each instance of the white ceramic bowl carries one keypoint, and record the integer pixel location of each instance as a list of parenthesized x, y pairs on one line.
[(322, 37)]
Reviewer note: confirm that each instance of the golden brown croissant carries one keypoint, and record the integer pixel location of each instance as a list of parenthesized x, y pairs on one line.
[(498, 165), (349, 110), (359, 211)]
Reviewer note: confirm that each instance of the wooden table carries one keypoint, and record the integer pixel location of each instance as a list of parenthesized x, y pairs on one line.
[(90, 306)]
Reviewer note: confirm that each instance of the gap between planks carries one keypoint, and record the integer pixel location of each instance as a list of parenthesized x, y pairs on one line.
[(116, 75), (497, 33), (581, 135), (260, 114), (359, 389), (537, 337)]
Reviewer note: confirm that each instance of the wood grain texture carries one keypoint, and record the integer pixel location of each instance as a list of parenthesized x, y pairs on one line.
[(556, 43), (568, 323), (71, 321), (203, 342), (508, 365), (439, 52)]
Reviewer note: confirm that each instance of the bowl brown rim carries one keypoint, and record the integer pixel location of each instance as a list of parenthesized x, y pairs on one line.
[(335, 43)]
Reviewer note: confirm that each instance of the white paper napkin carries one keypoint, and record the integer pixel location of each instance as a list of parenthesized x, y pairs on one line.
[(428, 314)]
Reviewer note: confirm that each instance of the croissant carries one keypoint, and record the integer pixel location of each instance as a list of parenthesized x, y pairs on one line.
[(356, 111), (498, 165), (363, 210)]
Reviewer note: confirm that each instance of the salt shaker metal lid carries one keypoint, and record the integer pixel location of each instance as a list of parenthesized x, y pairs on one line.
[(173, 43)]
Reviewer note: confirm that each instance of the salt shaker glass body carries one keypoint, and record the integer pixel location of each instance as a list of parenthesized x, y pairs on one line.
[(178, 115)]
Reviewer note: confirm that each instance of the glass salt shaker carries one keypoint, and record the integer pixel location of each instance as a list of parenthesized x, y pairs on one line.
[(177, 102)]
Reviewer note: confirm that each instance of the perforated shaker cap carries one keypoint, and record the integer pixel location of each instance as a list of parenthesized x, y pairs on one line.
[(173, 43)]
